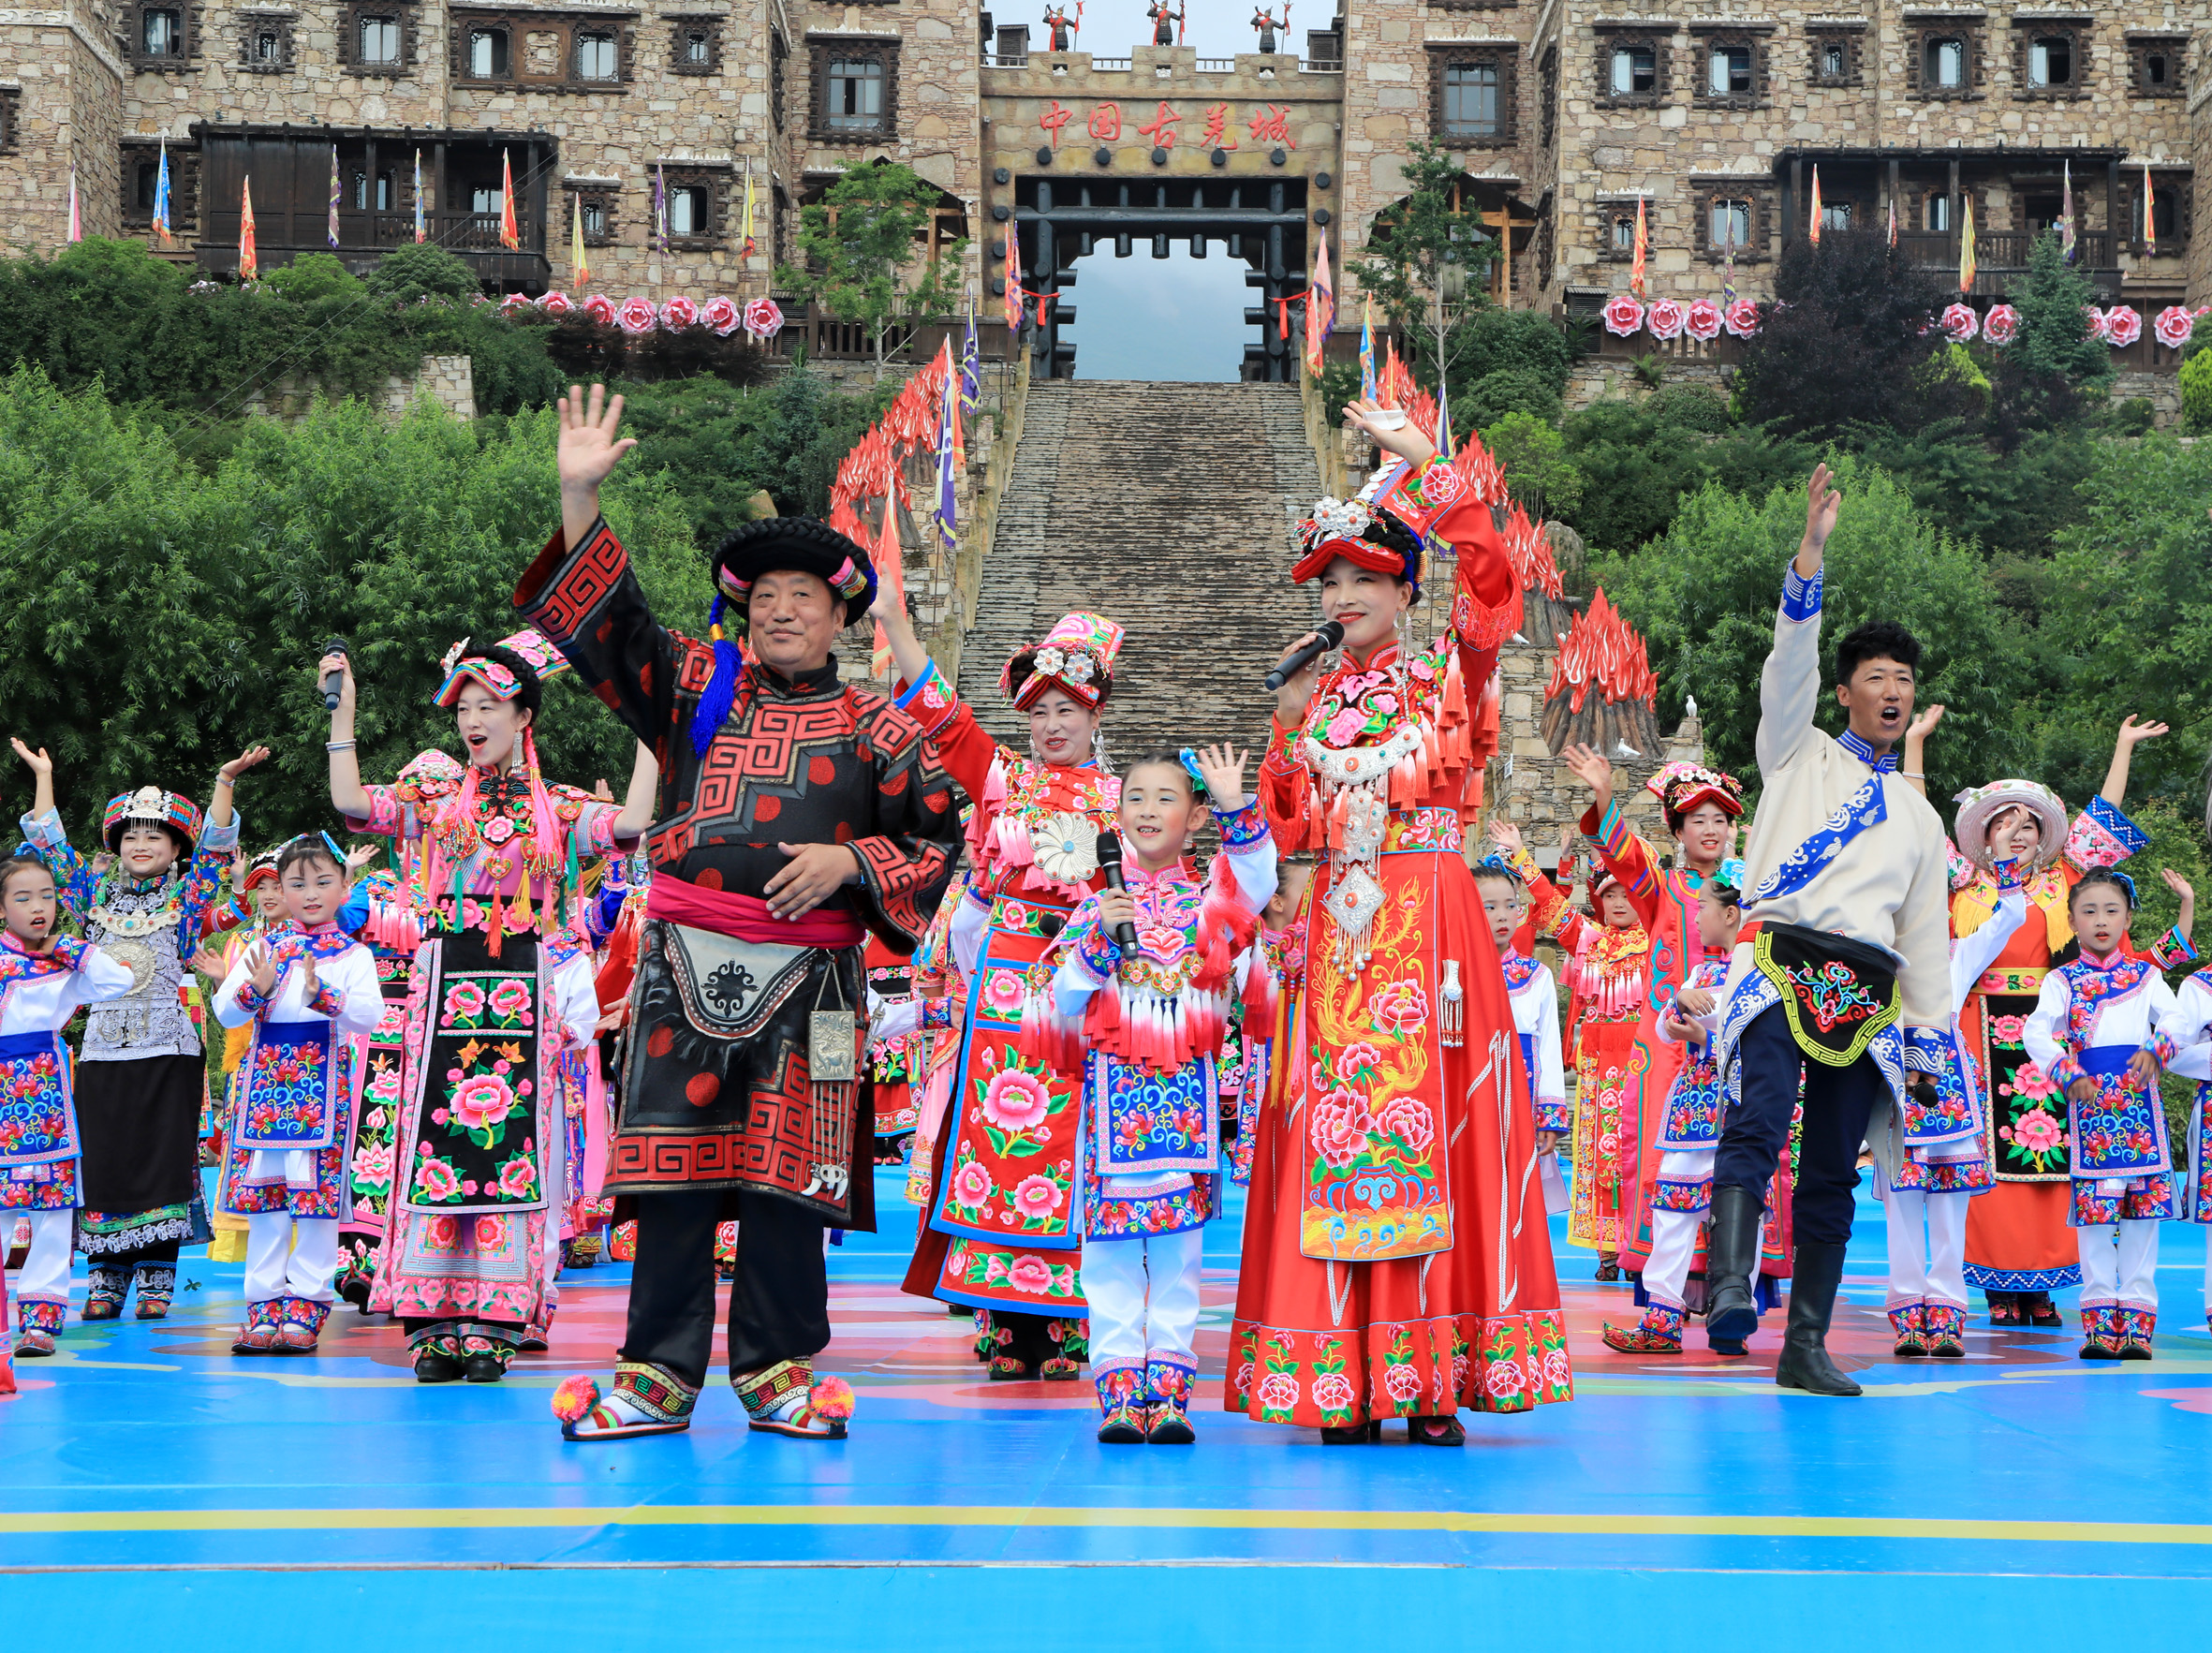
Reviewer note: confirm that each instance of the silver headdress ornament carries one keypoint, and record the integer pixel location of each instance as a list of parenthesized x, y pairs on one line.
[(453, 655)]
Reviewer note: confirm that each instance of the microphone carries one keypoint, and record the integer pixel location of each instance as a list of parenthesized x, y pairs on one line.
[(1326, 636), (333, 682), (1109, 864)]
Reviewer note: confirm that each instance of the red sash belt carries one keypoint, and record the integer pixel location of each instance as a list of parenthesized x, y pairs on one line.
[(747, 918)]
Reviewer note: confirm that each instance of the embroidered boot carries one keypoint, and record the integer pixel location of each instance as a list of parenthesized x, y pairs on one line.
[(107, 1285), (1121, 1402), (2135, 1328), (1804, 1364), (1167, 1400), (157, 1284), (264, 1323), (1660, 1332), (484, 1357), (788, 1399), (357, 1272), (622, 1245), (647, 1400), (1070, 1343), (302, 1325), (1907, 1321), (2004, 1309), (37, 1324), (1731, 1252), (437, 1356), (1943, 1326), (2101, 1332), (2037, 1310), (726, 1251)]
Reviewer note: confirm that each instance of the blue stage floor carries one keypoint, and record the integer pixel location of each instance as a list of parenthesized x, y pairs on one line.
[(151, 1455)]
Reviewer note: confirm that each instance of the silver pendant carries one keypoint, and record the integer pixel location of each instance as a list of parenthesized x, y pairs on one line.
[(832, 1047)]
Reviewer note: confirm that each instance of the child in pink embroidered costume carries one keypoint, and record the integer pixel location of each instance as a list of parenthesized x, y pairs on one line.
[(309, 992), (43, 979), (1531, 988), (1143, 1018), (2099, 1031)]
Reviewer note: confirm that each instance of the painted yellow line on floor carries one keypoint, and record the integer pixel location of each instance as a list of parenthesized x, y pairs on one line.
[(1013, 1517)]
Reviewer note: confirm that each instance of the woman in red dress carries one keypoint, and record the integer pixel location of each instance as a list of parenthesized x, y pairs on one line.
[(1396, 1258)]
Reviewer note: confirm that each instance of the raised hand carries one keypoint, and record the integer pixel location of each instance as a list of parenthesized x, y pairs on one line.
[(342, 666), (1222, 768), (244, 761), (261, 967), (1406, 441), (1591, 767), (1924, 724), (40, 763), (1506, 835), (1821, 502), (209, 962), (2133, 731), (589, 448)]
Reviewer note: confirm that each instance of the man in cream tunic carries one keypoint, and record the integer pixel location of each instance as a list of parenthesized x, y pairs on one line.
[(1841, 972)]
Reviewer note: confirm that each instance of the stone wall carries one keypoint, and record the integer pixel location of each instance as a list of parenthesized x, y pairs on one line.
[(60, 98), (448, 380)]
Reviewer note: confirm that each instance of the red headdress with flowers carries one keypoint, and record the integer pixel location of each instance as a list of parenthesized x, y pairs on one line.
[(1076, 656)]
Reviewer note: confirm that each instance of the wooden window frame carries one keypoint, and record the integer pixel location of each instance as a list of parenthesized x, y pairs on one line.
[(681, 27), (1704, 38), (1547, 82), (11, 115), (823, 49), (1612, 37), (251, 24), (350, 18), (779, 50), (183, 184), (566, 27), (715, 180), (189, 22), (1855, 70), (576, 36), (1507, 61), (2173, 186), (1611, 212), (1761, 196), (2075, 32), (607, 197), (1923, 31), (2140, 47)]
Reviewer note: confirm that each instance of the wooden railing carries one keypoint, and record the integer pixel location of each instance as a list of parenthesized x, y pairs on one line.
[(824, 338)]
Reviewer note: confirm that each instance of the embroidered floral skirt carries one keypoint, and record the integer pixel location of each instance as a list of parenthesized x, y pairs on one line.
[(369, 1171), (1605, 1137), (1323, 1343), (2018, 1239)]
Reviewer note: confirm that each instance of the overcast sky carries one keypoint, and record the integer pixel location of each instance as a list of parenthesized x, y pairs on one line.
[(1175, 317)]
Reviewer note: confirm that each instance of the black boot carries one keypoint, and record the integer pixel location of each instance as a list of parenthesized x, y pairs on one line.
[(1731, 1252), (1804, 1364)]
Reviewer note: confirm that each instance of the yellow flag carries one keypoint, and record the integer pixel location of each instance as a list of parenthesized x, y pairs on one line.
[(579, 264), (1966, 248), (748, 230)]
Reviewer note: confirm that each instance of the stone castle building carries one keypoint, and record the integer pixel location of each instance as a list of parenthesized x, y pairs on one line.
[(1566, 114)]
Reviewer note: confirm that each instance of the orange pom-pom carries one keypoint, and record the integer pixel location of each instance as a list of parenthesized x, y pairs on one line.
[(575, 1396), (830, 1398)]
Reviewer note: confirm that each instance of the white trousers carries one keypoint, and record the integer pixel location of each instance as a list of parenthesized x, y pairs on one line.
[(306, 1273), (1674, 1233), (45, 1278), (1929, 1269), (2120, 1264), (1143, 1298)]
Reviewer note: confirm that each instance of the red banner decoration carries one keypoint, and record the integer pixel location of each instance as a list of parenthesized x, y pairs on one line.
[(1602, 651)]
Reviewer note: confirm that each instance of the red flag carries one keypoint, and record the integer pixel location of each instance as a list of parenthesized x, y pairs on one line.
[(1320, 311), (1013, 281), (249, 264)]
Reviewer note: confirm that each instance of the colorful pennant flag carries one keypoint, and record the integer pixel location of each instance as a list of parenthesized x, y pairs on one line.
[(660, 209), (2151, 225), (2065, 225), (1643, 246), (76, 217), (1893, 231), (1728, 265), (1369, 390), (889, 567), (1815, 234), (1320, 308), (331, 229), (510, 232), (249, 264), (747, 227), (161, 228), (422, 229), (1013, 283), (947, 443), (1966, 248), (971, 363), (579, 264), (1443, 421)]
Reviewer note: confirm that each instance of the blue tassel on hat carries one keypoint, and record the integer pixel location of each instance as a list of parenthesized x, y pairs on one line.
[(722, 690)]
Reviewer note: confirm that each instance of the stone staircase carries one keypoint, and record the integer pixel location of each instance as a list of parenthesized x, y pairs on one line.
[(1169, 508)]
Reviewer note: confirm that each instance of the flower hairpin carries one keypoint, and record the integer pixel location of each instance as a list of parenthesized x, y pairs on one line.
[(1051, 662), (453, 654)]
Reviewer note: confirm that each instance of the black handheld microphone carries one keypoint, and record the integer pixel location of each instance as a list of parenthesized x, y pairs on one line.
[(1326, 636), (333, 682), (1109, 864)]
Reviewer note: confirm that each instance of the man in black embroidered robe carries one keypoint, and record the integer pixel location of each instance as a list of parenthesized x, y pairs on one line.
[(797, 814)]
